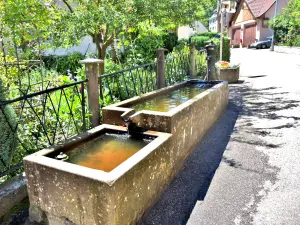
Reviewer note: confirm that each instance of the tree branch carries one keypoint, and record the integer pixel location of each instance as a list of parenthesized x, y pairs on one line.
[(68, 5), (108, 41)]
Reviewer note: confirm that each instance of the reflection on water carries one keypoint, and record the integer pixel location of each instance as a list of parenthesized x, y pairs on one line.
[(168, 101), (106, 152)]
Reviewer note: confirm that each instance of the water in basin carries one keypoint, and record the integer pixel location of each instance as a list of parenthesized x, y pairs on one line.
[(106, 152), (168, 101)]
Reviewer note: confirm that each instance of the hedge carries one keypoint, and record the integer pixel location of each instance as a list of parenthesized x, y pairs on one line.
[(226, 48), (202, 39), (64, 63), (170, 41)]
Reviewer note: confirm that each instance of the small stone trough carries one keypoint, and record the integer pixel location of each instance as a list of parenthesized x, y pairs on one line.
[(61, 192)]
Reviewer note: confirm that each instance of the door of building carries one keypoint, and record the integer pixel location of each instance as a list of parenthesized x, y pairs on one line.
[(249, 35), (236, 36)]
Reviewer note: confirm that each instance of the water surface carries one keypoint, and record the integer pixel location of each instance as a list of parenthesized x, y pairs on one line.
[(168, 101), (106, 152)]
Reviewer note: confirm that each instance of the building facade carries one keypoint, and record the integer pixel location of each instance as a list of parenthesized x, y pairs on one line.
[(213, 22), (250, 22)]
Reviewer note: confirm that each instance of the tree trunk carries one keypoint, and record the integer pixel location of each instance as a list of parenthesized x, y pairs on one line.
[(101, 50), (114, 51)]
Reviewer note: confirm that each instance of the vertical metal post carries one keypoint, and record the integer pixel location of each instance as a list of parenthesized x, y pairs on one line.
[(273, 39), (160, 68), (92, 71), (192, 60), (83, 106), (100, 80), (211, 50)]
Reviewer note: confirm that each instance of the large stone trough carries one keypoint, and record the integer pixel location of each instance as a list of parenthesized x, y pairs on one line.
[(187, 122)]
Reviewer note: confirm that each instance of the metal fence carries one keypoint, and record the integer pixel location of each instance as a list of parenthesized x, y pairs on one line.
[(201, 64), (177, 69), (34, 121), (48, 117), (127, 83)]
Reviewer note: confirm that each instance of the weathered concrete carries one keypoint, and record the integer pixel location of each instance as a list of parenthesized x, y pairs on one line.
[(199, 111), (61, 191), (12, 192), (188, 122), (231, 75)]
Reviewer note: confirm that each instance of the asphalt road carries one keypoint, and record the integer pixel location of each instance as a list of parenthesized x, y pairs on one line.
[(257, 142)]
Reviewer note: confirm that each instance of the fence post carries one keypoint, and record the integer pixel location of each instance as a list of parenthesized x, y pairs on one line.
[(92, 72), (192, 60), (211, 50), (160, 68)]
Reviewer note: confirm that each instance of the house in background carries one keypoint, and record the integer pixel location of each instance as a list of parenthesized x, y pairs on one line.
[(250, 22), (214, 24), (188, 31)]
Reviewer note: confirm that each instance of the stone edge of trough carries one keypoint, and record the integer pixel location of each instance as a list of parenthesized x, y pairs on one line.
[(12, 192)]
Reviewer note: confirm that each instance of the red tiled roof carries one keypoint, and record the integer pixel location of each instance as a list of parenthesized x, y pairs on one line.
[(259, 7)]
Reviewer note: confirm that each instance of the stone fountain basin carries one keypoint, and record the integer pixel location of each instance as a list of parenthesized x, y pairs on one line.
[(187, 122), (61, 192)]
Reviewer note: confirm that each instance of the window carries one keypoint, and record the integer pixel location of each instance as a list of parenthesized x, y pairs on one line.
[(265, 23)]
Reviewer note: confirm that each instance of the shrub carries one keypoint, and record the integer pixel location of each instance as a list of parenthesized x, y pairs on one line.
[(8, 139), (287, 25), (181, 44), (208, 34), (64, 63), (170, 41), (200, 41), (141, 47)]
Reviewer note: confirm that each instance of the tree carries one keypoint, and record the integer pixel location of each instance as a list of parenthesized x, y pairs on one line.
[(25, 24), (103, 20), (66, 22), (287, 24)]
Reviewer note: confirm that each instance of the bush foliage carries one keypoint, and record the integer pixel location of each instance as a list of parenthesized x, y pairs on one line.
[(202, 39), (287, 25), (7, 137), (226, 48), (63, 63)]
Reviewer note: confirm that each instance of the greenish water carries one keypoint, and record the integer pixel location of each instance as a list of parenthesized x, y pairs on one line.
[(168, 101), (106, 152)]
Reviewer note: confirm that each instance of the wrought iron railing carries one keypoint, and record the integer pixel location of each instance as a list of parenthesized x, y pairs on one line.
[(201, 64), (54, 114), (177, 69), (127, 83), (34, 121)]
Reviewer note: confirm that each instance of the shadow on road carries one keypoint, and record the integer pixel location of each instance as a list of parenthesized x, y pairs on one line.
[(192, 183)]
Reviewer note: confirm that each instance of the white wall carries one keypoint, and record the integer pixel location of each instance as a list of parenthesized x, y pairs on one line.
[(85, 47), (187, 31)]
